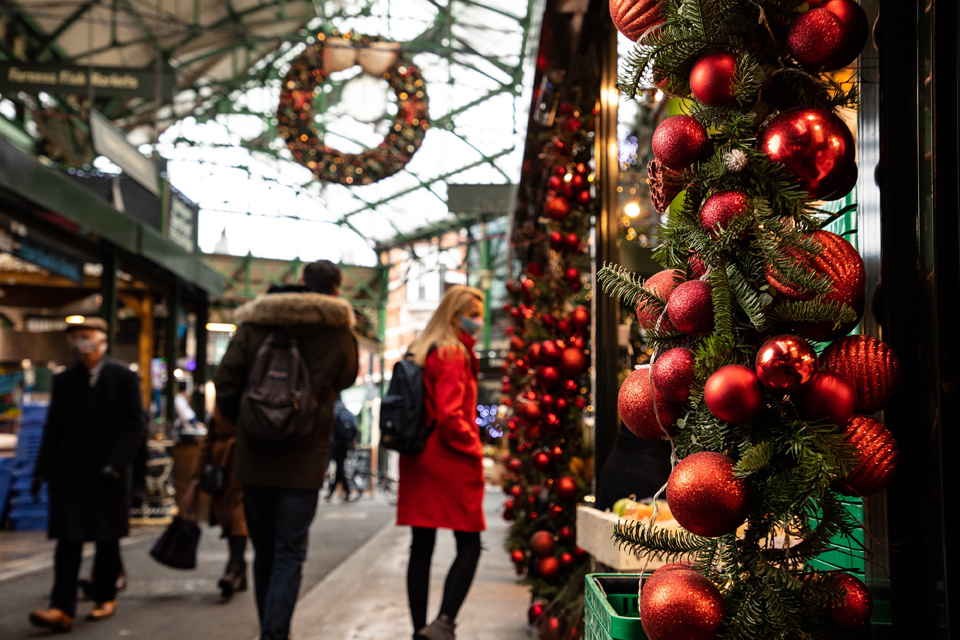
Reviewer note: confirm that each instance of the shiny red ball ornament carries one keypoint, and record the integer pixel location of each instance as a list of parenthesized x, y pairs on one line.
[(573, 361), (661, 284), (516, 490), (556, 207), (786, 364), (557, 452), (533, 353), (567, 534), (548, 377), (578, 182), (734, 394), (878, 453), (580, 316), (705, 496), (549, 352), (540, 461), (815, 38), (517, 556), (854, 29), (869, 365), (814, 145), (580, 402), (721, 209), (570, 387), (566, 561), (633, 17), (830, 397), (516, 343), (566, 488), (557, 241), (560, 405), (584, 197), (572, 274), (635, 403), (535, 611), (531, 412), (846, 186), (542, 544), (691, 308), (556, 510), (711, 79), (548, 568), (673, 374), (680, 141), (515, 465), (554, 182), (857, 606), (547, 401), (681, 604), (572, 242), (550, 628)]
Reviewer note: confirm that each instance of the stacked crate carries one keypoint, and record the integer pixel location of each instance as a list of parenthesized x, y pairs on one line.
[(23, 511)]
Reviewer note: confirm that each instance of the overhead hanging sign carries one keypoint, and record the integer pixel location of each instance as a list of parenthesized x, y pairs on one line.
[(110, 142), (45, 255), (113, 82), (181, 223)]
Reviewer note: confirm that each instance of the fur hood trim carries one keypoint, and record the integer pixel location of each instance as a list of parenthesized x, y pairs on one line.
[(297, 308)]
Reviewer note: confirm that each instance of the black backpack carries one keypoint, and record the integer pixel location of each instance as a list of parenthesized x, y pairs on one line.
[(278, 404), (344, 424), (403, 425)]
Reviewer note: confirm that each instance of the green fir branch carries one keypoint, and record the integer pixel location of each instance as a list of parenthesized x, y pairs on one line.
[(748, 298), (669, 544), (722, 300), (755, 459), (618, 282)]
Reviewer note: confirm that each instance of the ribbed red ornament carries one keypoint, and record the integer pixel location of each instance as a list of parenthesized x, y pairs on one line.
[(547, 568), (705, 497), (869, 365), (681, 604), (635, 403), (815, 38), (721, 209), (633, 17), (691, 308), (673, 374), (711, 79), (878, 453), (557, 207), (680, 141), (857, 606), (662, 285)]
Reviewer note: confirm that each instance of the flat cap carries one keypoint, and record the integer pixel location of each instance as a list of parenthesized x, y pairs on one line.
[(90, 322)]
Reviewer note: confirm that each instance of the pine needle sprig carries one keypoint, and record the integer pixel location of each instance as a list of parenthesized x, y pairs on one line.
[(621, 283), (639, 539)]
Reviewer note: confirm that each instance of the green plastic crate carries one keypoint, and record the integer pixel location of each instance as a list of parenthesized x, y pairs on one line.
[(613, 607)]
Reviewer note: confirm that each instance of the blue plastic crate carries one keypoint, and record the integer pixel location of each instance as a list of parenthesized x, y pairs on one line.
[(6, 483), (29, 524)]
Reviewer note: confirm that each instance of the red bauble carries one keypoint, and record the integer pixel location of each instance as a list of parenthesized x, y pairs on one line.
[(533, 353), (580, 316), (786, 364), (705, 496), (556, 452), (815, 38), (547, 568), (535, 270), (681, 604), (516, 490), (721, 209), (673, 375), (734, 394), (566, 561), (572, 242), (878, 454), (857, 606), (517, 556), (540, 461), (691, 308), (570, 387), (869, 365), (566, 488), (548, 377), (672, 566), (535, 611), (515, 465), (554, 183), (854, 27), (680, 141), (547, 402), (531, 412), (557, 241), (552, 422), (516, 343), (830, 397), (542, 544), (571, 275), (573, 362), (846, 186), (550, 628), (635, 403), (711, 79), (578, 182), (560, 405), (567, 534), (549, 352), (633, 17), (584, 197), (662, 285), (557, 207), (814, 145)]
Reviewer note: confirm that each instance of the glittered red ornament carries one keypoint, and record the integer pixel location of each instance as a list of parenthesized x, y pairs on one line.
[(535, 611), (517, 556), (705, 496), (815, 38), (734, 394), (672, 566), (633, 17), (711, 79), (869, 365), (547, 568), (635, 403), (680, 141), (573, 362), (878, 454), (662, 285), (557, 207), (542, 543), (566, 488), (549, 352), (854, 29), (548, 377), (540, 461), (814, 145), (721, 209), (786, 364), (691, 308), (580, 316), (857, 606), (681, 604), (673, 374), (829, 397), (516, 343)]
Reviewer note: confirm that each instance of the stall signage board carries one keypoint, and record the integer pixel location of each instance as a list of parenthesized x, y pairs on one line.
[(42, 254), (111, 82), (110, 142), (182, 224)]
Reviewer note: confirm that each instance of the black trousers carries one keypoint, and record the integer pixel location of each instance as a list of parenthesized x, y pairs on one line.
[(458, 581), (66, 570), (339, 455)]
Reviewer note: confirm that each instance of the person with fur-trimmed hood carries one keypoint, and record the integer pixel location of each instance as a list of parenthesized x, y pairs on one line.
[(282, 481)]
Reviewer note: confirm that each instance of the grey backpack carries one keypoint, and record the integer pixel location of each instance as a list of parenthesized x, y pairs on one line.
[(278, 404)]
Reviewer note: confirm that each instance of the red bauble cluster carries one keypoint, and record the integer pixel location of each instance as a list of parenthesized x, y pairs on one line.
[(878, 456), (691, 308), (680, 141), (786, 364), (870, 365), (733, 393), (711, 79), (705, 496), (721, 209), (636, 406), (662, 285), (673, 374), (681, 604)]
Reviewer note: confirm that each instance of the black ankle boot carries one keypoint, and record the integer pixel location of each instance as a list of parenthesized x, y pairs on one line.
[(234, 579)]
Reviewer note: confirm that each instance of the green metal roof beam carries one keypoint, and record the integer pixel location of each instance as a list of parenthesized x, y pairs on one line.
[(72, 19)]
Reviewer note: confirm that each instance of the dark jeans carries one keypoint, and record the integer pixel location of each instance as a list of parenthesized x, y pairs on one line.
[(278, 521), (458, 581), (66, 569), (339, 455)]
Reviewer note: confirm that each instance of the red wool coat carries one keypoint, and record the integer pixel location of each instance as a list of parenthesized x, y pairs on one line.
[(442, 486)]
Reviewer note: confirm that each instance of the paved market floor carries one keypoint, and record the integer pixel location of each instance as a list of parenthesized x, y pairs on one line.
[(353, 585)]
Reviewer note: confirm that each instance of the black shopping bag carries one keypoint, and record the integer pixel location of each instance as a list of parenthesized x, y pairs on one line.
[(177, 547)]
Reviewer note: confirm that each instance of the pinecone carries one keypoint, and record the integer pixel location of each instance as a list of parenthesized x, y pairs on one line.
[(665, 184)]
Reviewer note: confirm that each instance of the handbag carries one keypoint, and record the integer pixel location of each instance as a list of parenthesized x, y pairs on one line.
[(213, 480), (177, 546)]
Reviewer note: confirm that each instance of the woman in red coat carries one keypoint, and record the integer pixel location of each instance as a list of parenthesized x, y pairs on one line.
[(442, 486)]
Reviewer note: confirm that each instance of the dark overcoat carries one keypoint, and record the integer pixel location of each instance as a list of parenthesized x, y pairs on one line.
[(87, 430), (217, 448)]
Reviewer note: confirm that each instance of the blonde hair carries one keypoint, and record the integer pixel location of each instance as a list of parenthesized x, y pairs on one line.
[(440, 332)]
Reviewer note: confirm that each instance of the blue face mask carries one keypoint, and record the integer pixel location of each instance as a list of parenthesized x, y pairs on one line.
[(469, 325)]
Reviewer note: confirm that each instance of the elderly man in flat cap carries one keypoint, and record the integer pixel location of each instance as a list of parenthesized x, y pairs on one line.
[(93, 429)]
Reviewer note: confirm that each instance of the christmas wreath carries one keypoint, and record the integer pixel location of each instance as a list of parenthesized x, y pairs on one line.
[(304, 81)]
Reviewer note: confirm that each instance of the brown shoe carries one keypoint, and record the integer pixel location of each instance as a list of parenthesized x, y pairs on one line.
[(53, 619), (103, 610)]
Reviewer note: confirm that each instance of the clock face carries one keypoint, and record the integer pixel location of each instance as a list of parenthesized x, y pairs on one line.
[(365, 98)]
